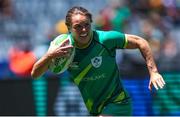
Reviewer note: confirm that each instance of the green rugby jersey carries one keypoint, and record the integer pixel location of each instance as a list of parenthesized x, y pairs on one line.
[(95, 72)]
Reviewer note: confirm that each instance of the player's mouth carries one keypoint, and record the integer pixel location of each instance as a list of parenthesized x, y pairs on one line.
[(84, 35)]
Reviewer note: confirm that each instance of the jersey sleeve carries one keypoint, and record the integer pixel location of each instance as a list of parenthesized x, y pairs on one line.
[(114, 39)]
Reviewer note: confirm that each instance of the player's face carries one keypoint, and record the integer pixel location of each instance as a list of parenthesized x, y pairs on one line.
[(80, 29)]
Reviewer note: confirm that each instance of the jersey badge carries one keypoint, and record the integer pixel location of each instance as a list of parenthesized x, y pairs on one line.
[(96, 61)]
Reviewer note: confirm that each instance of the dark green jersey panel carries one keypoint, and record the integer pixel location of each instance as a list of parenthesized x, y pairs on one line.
[(95, 72)]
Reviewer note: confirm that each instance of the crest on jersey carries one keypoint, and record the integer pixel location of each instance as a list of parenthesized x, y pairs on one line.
[(96, 61)]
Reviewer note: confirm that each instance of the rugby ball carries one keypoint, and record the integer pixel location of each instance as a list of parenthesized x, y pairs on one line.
[(59, 65)]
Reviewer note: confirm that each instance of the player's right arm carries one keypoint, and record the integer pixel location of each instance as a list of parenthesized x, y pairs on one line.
[(41, 66)]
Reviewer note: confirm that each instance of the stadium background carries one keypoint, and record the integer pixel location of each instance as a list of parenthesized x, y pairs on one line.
[(27, 27)]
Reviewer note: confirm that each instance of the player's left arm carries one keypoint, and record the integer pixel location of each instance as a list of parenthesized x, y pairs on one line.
[(136, 42)]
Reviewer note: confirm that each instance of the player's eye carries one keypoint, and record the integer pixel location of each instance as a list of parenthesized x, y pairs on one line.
[(87, 25), (81, 26), (78, 27)]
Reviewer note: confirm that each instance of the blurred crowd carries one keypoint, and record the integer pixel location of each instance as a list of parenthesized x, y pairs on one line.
[(27, 27), (157, 21)]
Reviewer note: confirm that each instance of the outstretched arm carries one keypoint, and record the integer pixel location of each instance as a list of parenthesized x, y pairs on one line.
[(136, 42)]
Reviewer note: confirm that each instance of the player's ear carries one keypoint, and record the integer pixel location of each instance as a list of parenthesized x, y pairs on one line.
[(69, 30), (68, 27)]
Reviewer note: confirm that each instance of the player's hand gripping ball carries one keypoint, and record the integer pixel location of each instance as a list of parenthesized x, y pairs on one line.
[(59, 65)]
